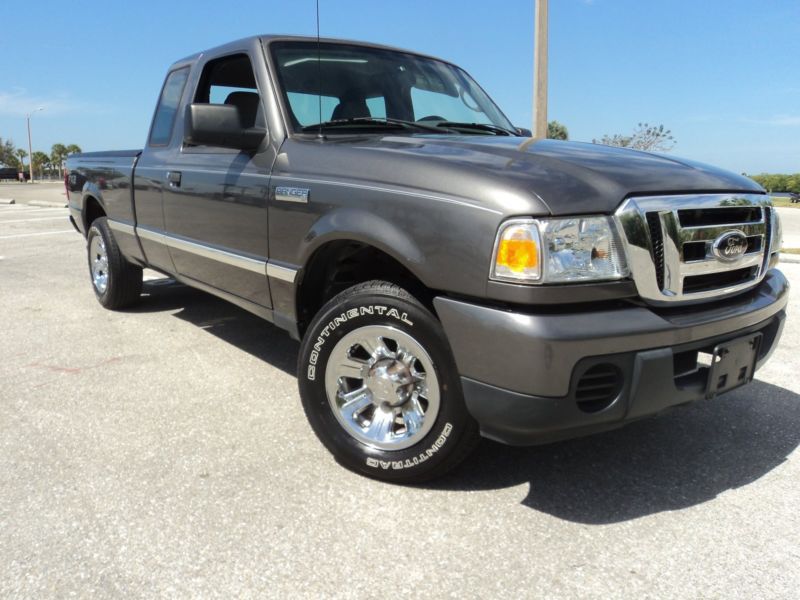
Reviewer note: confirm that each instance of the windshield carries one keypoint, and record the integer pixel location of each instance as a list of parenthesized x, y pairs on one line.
[(359, 86)]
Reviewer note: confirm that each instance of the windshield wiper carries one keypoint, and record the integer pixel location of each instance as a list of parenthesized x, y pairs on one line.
[(495, 129), (416, 124), (386, 123)]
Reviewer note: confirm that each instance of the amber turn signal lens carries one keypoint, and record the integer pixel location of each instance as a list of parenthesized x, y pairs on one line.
[(517, 255)]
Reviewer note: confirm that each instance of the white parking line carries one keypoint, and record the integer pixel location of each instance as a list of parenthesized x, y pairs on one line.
[(24, 207), (22, 235), (28, 211), (62, 217)]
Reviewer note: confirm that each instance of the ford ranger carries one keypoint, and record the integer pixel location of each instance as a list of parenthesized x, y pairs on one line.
[(449, 275)]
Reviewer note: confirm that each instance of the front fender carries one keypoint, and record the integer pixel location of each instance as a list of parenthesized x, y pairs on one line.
[(358, 225)]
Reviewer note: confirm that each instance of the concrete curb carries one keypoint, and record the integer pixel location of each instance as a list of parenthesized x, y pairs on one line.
[(7, 201), (789, 258), (46, 204)]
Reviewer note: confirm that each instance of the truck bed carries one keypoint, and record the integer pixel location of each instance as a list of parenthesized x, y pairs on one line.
[(107, 176)]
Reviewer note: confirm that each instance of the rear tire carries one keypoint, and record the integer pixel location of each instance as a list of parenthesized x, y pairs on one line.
[(380, 387), (116, 282)]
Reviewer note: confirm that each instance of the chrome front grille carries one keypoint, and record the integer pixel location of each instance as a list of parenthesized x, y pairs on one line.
[(671, 240)]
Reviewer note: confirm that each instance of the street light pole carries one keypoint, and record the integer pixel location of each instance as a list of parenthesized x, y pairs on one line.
[(540, 70), (30, 147)]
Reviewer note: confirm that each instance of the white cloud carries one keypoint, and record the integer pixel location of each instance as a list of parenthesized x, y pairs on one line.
[(17, 102)]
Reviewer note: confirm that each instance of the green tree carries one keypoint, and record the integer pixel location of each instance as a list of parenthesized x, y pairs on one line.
[(650, 138), (21, 156), (58, 153), (74, 149), (8, 154), (40, 162), (557, 131), (778, 182)]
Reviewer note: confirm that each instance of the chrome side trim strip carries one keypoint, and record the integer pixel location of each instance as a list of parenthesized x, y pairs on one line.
[(223, 256), (228, 258), (270, 269), (151, 235), (280, 272), (121, 227)]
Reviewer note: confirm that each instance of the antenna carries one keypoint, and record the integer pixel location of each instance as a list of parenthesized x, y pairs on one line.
[(319, 78)]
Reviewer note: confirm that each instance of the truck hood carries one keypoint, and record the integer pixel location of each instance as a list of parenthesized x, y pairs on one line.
[(540, 175)]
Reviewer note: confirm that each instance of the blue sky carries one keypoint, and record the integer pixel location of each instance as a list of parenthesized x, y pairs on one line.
[(723, 75)]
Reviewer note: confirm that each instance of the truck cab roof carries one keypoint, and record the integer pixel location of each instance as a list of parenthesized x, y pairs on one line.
[(267, 38)]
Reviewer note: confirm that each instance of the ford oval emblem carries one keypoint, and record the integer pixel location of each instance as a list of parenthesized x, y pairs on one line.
[(730, 246)]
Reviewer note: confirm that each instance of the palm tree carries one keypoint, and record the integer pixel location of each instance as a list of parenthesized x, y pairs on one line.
[(57, 155), (21, 154), (39, 160), (74, 149), (557, 131)]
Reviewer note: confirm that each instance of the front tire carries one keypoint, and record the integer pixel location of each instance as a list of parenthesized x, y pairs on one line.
[(116, 282), (380, 387)]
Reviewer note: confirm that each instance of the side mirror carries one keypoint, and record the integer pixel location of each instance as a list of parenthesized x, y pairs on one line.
[(524, 132), (219, 125)]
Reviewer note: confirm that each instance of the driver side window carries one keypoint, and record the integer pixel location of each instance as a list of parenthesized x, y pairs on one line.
[(230, 80)]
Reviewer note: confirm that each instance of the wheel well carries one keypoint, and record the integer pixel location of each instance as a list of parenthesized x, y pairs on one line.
[(92, 210), (339, 265)]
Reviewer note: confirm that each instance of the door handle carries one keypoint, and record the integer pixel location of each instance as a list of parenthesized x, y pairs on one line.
[(174, 178)]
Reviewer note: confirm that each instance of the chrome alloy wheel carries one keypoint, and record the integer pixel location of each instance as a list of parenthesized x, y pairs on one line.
[(382, 387), (98, 260)]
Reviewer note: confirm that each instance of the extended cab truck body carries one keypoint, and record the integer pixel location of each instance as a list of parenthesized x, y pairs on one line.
[(447, 275)]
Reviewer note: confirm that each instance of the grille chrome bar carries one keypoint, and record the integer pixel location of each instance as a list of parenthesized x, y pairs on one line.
[(698, 234), (655, 242), (704, 267)]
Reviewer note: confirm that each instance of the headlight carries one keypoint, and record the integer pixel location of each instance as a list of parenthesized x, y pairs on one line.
[(575, 249)]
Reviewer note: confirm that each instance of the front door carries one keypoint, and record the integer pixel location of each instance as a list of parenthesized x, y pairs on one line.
[(215, 199)]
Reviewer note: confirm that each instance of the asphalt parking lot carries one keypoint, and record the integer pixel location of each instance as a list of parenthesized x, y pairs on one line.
[(163, 451)]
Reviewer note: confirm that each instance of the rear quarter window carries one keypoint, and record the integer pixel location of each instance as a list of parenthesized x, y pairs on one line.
[(167, 109)]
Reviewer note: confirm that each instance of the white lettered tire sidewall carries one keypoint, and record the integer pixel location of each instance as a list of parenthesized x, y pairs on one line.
[(454, 432)]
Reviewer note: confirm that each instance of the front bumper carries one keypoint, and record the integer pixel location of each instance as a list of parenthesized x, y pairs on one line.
[(520, 371)]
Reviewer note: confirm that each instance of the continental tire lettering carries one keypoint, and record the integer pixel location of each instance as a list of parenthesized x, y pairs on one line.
[(420, 458), (349, 315)]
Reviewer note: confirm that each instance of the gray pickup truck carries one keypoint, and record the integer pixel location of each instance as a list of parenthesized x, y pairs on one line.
[(449, 276)]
